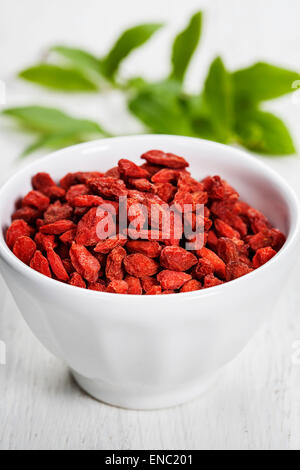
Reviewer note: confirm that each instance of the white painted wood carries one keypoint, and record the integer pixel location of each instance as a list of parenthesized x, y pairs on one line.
[(256, 402)]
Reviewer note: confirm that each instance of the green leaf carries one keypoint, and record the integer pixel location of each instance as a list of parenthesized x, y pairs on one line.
[(262, 82), (218, 98), (158, 107), (264, 133), (127, 42), (58, 78), (78, 58), (184, 47), (50, 120)]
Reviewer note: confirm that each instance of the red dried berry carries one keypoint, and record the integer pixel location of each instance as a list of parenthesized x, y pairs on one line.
[(155, 290), (224, 230), (98, 286), (203, 268), (165, 191), (57, 266), (262, 256), (87, 201), (19, 228), (140, 266), (57, 228), (211, 281), (108, 187), (169, 160), (148, 283), (236, 269), (128, 169), (69, 236), (85, 263), (134, 285), (75, 191), (94, 226), (117, 287), (40, 263), (177, 259), (173, 280), (57, 211), (151, 249), (141, 184), (77, 281), (114, 265), (45, 242), (191, 286), (216, 261), (106, 246), (227, 250), (24, 249), (36, 199), (29, 214)]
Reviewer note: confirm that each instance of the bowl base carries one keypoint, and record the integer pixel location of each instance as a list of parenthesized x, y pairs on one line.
[(139, 400)]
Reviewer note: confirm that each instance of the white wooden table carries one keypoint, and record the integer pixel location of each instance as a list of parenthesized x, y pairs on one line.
[(256, 402)]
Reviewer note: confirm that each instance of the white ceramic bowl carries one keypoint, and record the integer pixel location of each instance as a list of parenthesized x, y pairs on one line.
[(150, 352)]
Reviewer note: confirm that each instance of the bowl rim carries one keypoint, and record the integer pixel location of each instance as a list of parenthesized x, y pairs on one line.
[(290, 198)]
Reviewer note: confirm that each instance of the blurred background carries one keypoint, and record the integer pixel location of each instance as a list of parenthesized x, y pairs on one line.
[(256, 403)]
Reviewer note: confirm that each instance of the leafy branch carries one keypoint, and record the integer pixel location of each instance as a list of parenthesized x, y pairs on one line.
[(228, 108)]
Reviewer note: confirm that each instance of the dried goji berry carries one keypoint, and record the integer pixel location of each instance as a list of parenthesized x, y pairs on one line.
[(114, 265), (108, 187), (165, 175), (84, 262), (236, 269), (57, 266), (148, 283), (155, 290), (117, 287), (69, 236), (169, 160), (191, 286), (227, 250), (224, 230), (134, 285), (57, 211), (45, 242), (75, 191), (37, 200), (151, 249), (88, 232), (211, 281), (141, 184), (19, 228), (128, 169), (166, 191), (24, 249), (57, 228), (173, 280), (77, 281), (219, 265), (177, 259), (40, 263), (98, 286), (140, 266), (106, 246), (29, 214), (262, 256), (87, 201), (203, 268)]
